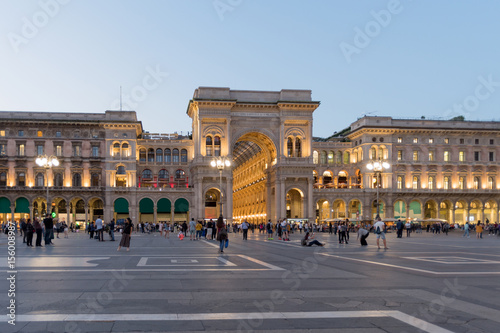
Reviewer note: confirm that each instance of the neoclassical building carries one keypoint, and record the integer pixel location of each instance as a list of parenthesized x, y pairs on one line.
[(110, 166)]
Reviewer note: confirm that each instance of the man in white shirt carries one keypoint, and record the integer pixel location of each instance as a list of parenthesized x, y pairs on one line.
[(379, 228), (99, 229)]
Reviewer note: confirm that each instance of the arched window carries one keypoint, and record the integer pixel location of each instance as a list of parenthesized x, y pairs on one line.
[(400, 182), (298, 147), (477, 182), (184, 156), (461, 183), (322, 159), (342, 179), (159, 155), (330, 157), (116, 150), (147, 174), (416, 182), (491, 182), (125, 150), (347, 157), (373, 153), (338, 157), (120, 170), (94, 180), (39, 181), (180, 174), (446, 183), (163, 174), (142, 155), (327, 178), (121, 176), (21, 179), (175, 155), (289, 147), (209, 145), (151, 155), (217, 145), (77, 180), (315, 157), (431, 183), (168, 156), (3, 179)]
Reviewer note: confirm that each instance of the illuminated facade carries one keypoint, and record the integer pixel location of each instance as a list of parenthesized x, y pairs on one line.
[(110, 166)]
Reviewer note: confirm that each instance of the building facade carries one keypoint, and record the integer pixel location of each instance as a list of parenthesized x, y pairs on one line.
[(110, 166)]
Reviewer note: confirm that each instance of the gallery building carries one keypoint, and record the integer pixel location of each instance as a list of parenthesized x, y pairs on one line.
[(109, 165)]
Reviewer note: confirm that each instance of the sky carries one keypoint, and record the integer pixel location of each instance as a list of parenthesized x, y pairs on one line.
[(404, 59)]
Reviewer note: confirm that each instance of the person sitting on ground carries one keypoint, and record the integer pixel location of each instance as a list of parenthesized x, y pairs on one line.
[(305, 240)]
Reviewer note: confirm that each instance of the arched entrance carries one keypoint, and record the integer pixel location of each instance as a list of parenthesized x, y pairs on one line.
[(5, 210), (400, 210), (323, 207), (355, 211), (415, 210), (294, 204), (146, 210), (212, 204), (121, 210), (181, 210), (461, 212), (164, 210), (475, 211), (430, 210)]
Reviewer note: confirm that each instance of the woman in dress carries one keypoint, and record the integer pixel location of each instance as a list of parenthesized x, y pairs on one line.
[(125, 241)]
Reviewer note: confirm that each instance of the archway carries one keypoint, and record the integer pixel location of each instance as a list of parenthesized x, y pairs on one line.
[(146, 210), (475, 211), (400, 210), (4, 209), (181, 210), (415, 211), (294, 204), (446, 211), (212, 204), (121, 210), (323, 207), (164, 210), (430, 210), (339, 209), (355, 211)]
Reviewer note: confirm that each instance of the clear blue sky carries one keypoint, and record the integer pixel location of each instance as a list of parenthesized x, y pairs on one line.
[(424, 59)]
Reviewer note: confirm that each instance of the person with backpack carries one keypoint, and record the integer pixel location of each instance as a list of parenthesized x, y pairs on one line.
[(222, 236), (379, 228), (269, 228)]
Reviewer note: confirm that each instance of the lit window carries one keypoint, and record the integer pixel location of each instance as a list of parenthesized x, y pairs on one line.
[(477, 181), (415, 140), (58, 150), (289, 147), (415, 182), (298, 147), (431, 183), (461, 156), (400, 155), (77, 151), (431, 140), (217, 145), (208, 143), (400, 182), (400, 140), (461, 183), (315, 157), (330, 157), (415, 155), (95, 151), (20, 150), (446, 156), (2, 133), (491, 181), (431, 156), (39, 134), (446, 140), (446, 183)]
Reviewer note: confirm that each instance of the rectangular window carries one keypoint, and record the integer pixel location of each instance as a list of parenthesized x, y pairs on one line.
[(492, 156), (431, 156), (400, 182), (476, 156), (77, 151), (3, 150), (446, 140), (58, 150), (400, 140), (39, 150), (2, 133), (400, 155), (415, 140), (431, 140), (476, 141), (492, 142), (20, 150), (446, 156), (20, 133), (39, 134), (462, 141), (415, 183), (461, 156), (58, 134), (95, 151), (415, 155)]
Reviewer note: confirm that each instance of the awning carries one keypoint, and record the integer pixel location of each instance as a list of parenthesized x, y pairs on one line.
[(22, 206), (146, 206), (121, 206), (4, 205), (164, 206), (181, 206)]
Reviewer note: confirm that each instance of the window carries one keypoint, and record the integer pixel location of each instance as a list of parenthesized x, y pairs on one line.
[(175, 155), (400, 155), (208, 143), (3, 149), (491, 181), (77, 180), (461, 182), (373, 153), (446, 140), (159, 155), (431, 182), (94, 180), (2, 133), (347, 157), (39, 134), (446, 156), (298, 147), (330, 157), (461, 156), (58, 134), (20, 149), (20, 133), (95, 151), (476, 141), (446, 183), (462, 141), (163, 174), (431, 140), (400, 140), (431, 156), (77, 150), (415, 182), (476, 156), (323, 157), (400, 182), (491, 156), (142, 155), (125, 150), (217, 145), (184, 156), (415, 140), (289, 147), (151, 155), (315, 157), (168, 156), (180, 174), (492, 142), (116, 150), (58, 150), (147, 174), (477, 182), (58, 179), (39, 181), (3, 179), (39, 150), (120, 170), (415, 155), (21, 179), (338, 157)]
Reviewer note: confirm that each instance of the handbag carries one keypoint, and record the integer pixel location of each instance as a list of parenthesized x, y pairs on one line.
[(227, 243)]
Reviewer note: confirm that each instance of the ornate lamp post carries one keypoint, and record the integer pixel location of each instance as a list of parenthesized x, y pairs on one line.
[(220, 163), (47, 163), (378, 166)]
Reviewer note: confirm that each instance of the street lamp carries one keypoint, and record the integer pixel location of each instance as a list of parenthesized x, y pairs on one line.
[(220, 163), (47, 163), (378, 166)]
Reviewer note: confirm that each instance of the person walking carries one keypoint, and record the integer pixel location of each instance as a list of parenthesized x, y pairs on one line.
[(221, 233), (479, 230), (29, 233), (269, 228), (49, 229), (99, 229), (399, 228), (466, 230), (38, 230), (125, 241), (91, 230), (379, 228), (244, 227), (23, 229), (408, 228), (112, 230)]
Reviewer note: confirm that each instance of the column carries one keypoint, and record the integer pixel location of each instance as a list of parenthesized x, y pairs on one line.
[(86, 212), (310, 200), (229, 199), (155, 218), (452, 216), (12, 211)]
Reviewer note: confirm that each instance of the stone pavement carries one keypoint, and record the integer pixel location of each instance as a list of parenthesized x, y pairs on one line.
[(425, 283)]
